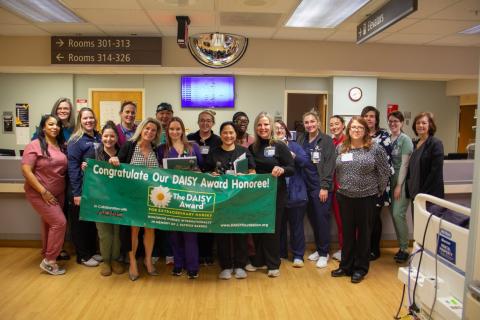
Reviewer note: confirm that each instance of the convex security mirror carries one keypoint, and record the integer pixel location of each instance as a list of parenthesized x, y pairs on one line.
[(217, 50)]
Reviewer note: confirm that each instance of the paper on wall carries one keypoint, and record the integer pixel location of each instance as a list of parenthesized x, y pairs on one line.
[(109, 110)]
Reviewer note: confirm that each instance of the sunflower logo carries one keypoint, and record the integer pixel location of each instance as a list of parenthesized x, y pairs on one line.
[(160, 196)]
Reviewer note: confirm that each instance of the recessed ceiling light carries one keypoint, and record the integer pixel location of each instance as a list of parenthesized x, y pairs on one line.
[(323, 13), (472, 30), (41, 10)]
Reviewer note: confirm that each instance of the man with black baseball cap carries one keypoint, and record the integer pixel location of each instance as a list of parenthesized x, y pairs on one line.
[(164, 115)]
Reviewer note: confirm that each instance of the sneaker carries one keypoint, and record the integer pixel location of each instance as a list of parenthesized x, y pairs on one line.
[(251, 268), (63, 255), (298, 263), (240, 273), (192, 274), (273, 273), (337, 255), (177, 272), (155, 260), (106, 269), (97, 257), (90, 262), (226, 274), (52, 269), (401, 256), (314, 256), (169, 260), (322, 261)]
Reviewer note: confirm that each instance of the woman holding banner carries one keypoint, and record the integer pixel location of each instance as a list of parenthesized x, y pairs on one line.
[(232, 248), (80, 145), (140, 150), (272, 157), (185, 246)]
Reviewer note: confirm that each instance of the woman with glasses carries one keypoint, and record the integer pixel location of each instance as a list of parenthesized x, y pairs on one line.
[(402, 148), (362, 171)]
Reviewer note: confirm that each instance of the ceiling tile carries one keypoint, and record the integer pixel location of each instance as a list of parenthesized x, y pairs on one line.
[(178, 6), (407, 38), (21, 30), (343, 36), (9, 18), (271, 6), (249, 19), (429, 7), (402, 24), (103, 4), (463, 10), (457, 40), (303, 33), (69, 28), (115, 17), (437, 27), (128, 30), (198, 19)]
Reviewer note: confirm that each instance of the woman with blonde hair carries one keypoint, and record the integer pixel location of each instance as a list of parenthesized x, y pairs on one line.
[(271, 157), (140, 150), (362, 171), (80, 147)]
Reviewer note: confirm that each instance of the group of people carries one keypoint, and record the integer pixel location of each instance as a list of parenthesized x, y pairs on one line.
[(354, 172)]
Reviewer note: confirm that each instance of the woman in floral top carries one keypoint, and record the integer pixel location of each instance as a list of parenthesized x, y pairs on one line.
[(380, 136)]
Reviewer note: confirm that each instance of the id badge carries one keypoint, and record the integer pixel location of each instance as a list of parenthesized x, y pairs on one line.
[(315, 157), (347, 157), (204, 149), (395, 152), (269, 152), (232, 172)]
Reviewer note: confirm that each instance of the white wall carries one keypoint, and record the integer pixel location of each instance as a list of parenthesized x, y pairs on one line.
[(39, 90), (342, 104), (418, 96)]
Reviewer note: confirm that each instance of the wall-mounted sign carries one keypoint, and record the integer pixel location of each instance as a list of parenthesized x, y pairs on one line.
[(106, 50), (392, 12)]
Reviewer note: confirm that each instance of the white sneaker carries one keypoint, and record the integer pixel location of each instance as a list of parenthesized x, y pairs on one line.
[(155, 260), (250, 267), (169, 260), (54, 269), (90, 262), (226, 274), (322, 261), (314, 256), (97, 257), (337, 255), (298, 263), (240, 273), (273, 273)]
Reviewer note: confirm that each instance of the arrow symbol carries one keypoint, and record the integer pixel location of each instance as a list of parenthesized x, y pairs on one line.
[(59, 57), (60, 43)]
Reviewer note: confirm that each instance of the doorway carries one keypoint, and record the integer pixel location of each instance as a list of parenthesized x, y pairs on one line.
[(466, 125), (299, 102)]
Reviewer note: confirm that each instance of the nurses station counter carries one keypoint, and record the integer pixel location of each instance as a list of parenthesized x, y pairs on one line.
[(18, 221)]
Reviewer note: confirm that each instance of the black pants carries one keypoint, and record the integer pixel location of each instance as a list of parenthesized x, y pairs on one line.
[(84, 235), (357, 218), (267, 245), (205, 245), (376, 229), (232, 250)]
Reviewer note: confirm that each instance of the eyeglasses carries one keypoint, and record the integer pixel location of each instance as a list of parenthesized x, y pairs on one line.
[(393, 121), (357, 128)]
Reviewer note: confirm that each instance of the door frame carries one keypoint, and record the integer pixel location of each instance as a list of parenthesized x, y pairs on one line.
[(90, 96), (285, 102)]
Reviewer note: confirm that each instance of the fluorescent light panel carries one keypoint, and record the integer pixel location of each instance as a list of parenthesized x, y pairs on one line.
[(41, 10), (472, 30), (323, 13)]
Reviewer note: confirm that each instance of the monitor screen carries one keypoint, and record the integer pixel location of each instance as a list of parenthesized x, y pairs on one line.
[(208, 91)]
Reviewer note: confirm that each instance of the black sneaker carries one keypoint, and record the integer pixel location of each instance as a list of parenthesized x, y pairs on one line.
[(192, 274), (177, 272), (401, 256)]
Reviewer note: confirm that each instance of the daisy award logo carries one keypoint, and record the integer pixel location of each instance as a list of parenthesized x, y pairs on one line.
[(160, 196)]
